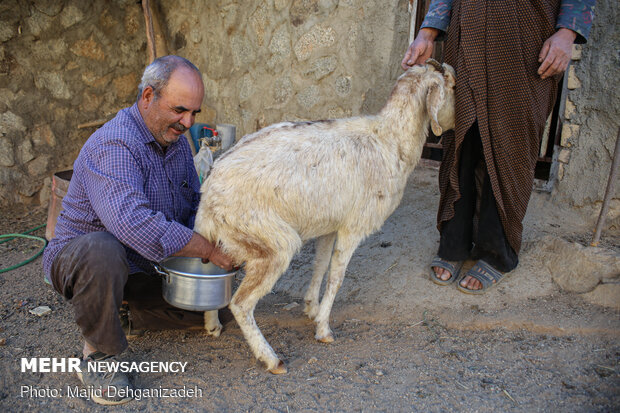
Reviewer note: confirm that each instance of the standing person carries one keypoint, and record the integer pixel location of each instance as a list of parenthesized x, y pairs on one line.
[(131, 201), (509, 57)]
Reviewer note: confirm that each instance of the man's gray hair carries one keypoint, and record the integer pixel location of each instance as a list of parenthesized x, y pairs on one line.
[(157, 74)]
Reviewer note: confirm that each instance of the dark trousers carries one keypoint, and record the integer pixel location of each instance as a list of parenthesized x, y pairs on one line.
[(92, 272), (476, 231)]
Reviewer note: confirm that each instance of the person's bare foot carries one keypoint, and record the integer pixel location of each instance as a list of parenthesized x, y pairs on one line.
[(470, 283), (442, 273)]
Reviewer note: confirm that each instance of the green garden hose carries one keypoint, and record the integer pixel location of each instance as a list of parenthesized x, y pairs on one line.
[(24, 235)]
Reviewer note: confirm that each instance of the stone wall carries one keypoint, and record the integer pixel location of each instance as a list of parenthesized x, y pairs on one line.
[(66, 63), (265, 61), (591, 116), (62, 63)]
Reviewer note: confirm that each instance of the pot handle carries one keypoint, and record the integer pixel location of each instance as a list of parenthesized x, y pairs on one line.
[(159, 270)]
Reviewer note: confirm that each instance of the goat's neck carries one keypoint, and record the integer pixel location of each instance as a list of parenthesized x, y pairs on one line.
[(405, 123)]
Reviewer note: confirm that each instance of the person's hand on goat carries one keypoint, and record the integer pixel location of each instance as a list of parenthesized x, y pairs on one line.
[(199, 246), (421, 48), (217, 257), (556, 53)]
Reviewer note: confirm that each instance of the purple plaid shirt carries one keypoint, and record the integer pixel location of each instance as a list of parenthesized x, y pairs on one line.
[(575, 15), (124, 183)]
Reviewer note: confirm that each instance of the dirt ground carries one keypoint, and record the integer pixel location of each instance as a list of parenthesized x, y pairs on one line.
[(402, 342)]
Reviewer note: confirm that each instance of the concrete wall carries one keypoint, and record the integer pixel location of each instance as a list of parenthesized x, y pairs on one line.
[(592, 115)]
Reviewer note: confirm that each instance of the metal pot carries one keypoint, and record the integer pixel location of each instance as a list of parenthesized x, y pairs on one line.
[(190, 284)]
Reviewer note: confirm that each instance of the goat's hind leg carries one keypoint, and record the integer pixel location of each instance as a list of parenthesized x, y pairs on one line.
[(260, 277), (324, 248), (344, 247), (212, 323)]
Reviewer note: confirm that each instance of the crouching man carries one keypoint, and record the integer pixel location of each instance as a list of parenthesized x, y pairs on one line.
[(131, 201)]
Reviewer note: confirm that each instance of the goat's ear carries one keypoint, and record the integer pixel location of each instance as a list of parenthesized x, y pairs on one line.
[(434, 99), (449, 76)]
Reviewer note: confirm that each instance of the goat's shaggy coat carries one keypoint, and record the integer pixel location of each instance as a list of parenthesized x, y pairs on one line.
[(335, 180)]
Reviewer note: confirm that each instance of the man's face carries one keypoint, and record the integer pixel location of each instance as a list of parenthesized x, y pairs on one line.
[(174, 111)]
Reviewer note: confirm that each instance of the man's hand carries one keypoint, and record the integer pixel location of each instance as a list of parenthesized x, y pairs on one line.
[(421, 49), (220, 259), (198, 246), (556, 53)]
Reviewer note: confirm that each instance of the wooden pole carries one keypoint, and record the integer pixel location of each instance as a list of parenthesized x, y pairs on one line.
[(150, 34), (609, 192)]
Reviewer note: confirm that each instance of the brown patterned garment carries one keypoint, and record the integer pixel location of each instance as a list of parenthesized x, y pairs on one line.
[(494, 47)]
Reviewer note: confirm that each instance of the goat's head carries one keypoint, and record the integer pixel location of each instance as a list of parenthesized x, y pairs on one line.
[(440, 96)]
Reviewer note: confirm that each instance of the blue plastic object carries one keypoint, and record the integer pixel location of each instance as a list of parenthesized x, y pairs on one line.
[(198, 132)]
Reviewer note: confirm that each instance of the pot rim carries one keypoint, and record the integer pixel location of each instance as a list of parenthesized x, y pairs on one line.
[(170, 271)]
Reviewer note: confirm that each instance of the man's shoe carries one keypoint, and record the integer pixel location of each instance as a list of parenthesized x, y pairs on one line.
[(106, 387), (126, 324)]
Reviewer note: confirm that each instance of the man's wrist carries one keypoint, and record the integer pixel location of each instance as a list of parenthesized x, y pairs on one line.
[(568, 33), (430, 33)]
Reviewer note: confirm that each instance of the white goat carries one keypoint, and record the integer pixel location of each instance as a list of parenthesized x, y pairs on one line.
[(335, 180)]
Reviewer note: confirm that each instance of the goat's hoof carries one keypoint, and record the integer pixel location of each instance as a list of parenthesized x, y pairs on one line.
[(279, 369), (329, 338), (215, 332)]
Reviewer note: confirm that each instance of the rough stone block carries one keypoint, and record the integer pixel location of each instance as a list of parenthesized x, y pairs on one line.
[(309, 97), (560, 171), (573, 81), (6, 152), (318, 37), (280, 4), (576, 52), (88, 48), (71, 15), (569, 109), (564, 155), (606, 295), (283, 89), (7, 31), (38, 167), (343, 86), (46, 191), (132, 20), (569, 132), (279, 46), (10, 123), (243, 51), (246, 88), (38, 22), (576, 268), (302, 9), (24, 151), (259, 21), (126, 85), (53, 82), (322, 67)]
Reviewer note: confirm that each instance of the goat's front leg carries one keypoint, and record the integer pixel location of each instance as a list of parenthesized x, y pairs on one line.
[(324, 248), (212, 323), (344, 248)]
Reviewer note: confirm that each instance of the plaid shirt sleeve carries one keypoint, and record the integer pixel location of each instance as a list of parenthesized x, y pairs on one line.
[(113, 181), (576, 15)]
